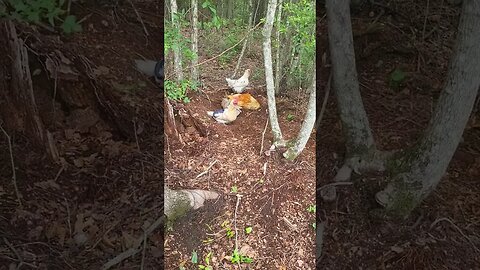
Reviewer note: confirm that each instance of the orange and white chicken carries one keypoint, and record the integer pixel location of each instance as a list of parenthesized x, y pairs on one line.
[(227, 115), (239, 84), (244, 101)]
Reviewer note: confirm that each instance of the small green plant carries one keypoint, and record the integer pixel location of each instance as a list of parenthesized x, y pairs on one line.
[(234, 189), (312, 208), (216, 22), (290, 117), (397, 77), (314, 225), (248, 230), (229, 232), (37, 11), (239, 258), (194, 257), (207, 265), (178, 91)]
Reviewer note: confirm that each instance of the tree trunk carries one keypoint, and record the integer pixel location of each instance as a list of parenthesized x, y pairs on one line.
[(195, 76), (359, 139), (20, 110), (179, 202), (278, 72), (245, 42), (267, 54), (416, 173), (230, 8), (307, 125), (177, 54)]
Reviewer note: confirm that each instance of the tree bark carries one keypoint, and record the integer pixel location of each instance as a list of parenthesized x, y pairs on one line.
[(307, 126), (179, 202), (195, 76), (359, 138), (418, 171), (278, 72), (21, 110), (177, 54), (267, 54), (230, 8)]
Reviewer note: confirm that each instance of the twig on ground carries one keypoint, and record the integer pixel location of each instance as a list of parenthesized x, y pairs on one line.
[(263, 136), (235, 223), (14, 174), (20, 259), (104, 234), (142, 264), (140, 20), (425, 21), (132, 251), (206, 171), (290, 224), (458, 229), (68, 217)]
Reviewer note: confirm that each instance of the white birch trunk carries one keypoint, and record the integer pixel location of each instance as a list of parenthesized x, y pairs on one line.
[(195, 76), (267, 54), (416, 174), (278, 73), (358, 135), (177, 54), (307, 126)]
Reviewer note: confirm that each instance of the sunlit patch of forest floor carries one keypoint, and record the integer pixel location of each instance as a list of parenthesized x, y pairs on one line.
[(274, 195)]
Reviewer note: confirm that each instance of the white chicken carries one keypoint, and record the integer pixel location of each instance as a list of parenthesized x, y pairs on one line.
[(239, 85)]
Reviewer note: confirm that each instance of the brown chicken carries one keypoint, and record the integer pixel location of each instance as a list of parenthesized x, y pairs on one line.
[(245, 101)]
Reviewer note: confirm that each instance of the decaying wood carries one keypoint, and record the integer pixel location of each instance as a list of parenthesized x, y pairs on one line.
[(21, 96)]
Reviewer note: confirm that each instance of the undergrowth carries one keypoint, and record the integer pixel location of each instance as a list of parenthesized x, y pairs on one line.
[(40, 11)]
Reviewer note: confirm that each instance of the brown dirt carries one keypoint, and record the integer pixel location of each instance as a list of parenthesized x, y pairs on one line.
[(427, 240), (81, 214), (268, 201)]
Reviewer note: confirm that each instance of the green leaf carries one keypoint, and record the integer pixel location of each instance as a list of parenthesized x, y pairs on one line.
[(248, 230), (194, 257), (397, 75), (207, 258), (246, 259), (70, 25)]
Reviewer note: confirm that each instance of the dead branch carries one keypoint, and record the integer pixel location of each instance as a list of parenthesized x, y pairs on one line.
[(206, 171), (263, 136), (132, 251), (12, 163)]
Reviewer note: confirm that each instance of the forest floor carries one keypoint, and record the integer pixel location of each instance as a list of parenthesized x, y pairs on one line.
[(108, 187), (444, 231), (275, 193)]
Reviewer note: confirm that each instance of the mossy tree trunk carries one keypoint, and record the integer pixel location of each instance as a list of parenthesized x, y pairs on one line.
[(307, 126), (177, 53), (195, 76), (178, 203), (418, 171)]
